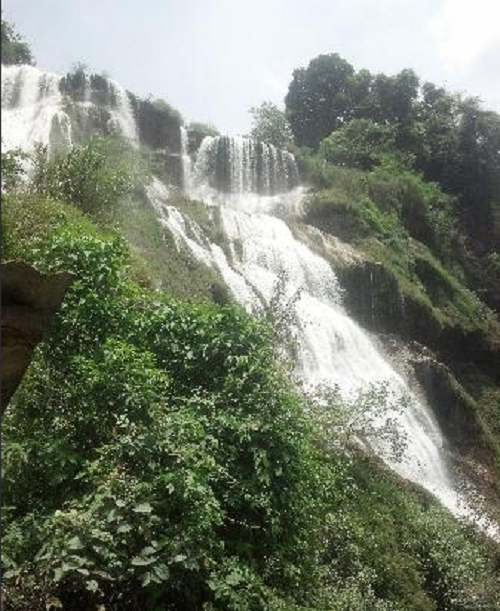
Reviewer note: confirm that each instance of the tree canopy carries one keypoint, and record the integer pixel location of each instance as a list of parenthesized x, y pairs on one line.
[(451, 139), (14, 49), (270, 124)]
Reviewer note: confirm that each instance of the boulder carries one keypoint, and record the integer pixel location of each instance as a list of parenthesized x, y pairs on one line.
[(29, 301)]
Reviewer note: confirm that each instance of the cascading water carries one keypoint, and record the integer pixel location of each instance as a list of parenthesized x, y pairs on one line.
[(32, 109), (35, 109), (242, 165), (186, 160), (333, 350), (122, 114)]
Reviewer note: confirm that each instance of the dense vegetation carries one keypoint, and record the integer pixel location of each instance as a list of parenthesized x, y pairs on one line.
[(358, 119), (14, 49), (157, 455), (271, 125)]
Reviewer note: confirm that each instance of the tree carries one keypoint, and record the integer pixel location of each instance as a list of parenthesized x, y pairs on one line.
[(320, 98), (270, 124), (478, 178), (361, 143), (13, 169), (436, 148), (14, 49)]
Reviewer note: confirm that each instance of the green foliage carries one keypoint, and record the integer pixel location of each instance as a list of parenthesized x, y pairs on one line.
[(87, 176), (270, 124), (320, 98), (361, 143), (165, 108), (13, 169), (31, 218), (367, 120), (14, 49), (410, 228), (329, 93)]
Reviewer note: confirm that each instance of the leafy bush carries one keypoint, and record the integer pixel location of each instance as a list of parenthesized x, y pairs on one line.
[(160, 425), (361, 143), (13, 169), (89, 175)]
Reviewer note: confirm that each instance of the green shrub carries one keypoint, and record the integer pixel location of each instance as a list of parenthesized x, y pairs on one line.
[(88, 175), (361, 143), (13, 169)]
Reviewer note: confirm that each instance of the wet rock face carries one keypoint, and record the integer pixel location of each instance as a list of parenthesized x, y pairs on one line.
[(29, 301), (373, 297), (159, 127), (454, 409)]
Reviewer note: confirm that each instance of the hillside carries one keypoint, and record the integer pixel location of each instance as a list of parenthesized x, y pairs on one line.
[(274, 382)]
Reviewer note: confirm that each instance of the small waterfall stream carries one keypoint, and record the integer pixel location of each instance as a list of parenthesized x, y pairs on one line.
[(242, 165)]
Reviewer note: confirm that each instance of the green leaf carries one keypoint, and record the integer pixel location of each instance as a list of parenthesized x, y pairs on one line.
[(75, 543), (161, 571), (92, 585), (140, 561), (143, 508), (234, 578)]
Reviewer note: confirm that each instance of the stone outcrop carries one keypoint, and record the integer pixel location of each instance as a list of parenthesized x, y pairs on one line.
[(29, 301), (373, 296)]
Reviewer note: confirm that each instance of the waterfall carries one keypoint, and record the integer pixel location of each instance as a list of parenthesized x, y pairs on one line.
[(255, 184), (186, 160), (333, 350), (241, 165), (34, 110), (122, 114)]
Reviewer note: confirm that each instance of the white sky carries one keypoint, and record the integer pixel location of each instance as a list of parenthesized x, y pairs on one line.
[(214, 59)]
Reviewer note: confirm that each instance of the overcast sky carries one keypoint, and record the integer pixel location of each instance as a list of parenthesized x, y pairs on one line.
[(214, 59)]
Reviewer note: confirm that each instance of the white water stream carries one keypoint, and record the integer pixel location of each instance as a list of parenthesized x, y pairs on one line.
[(35, 111)]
